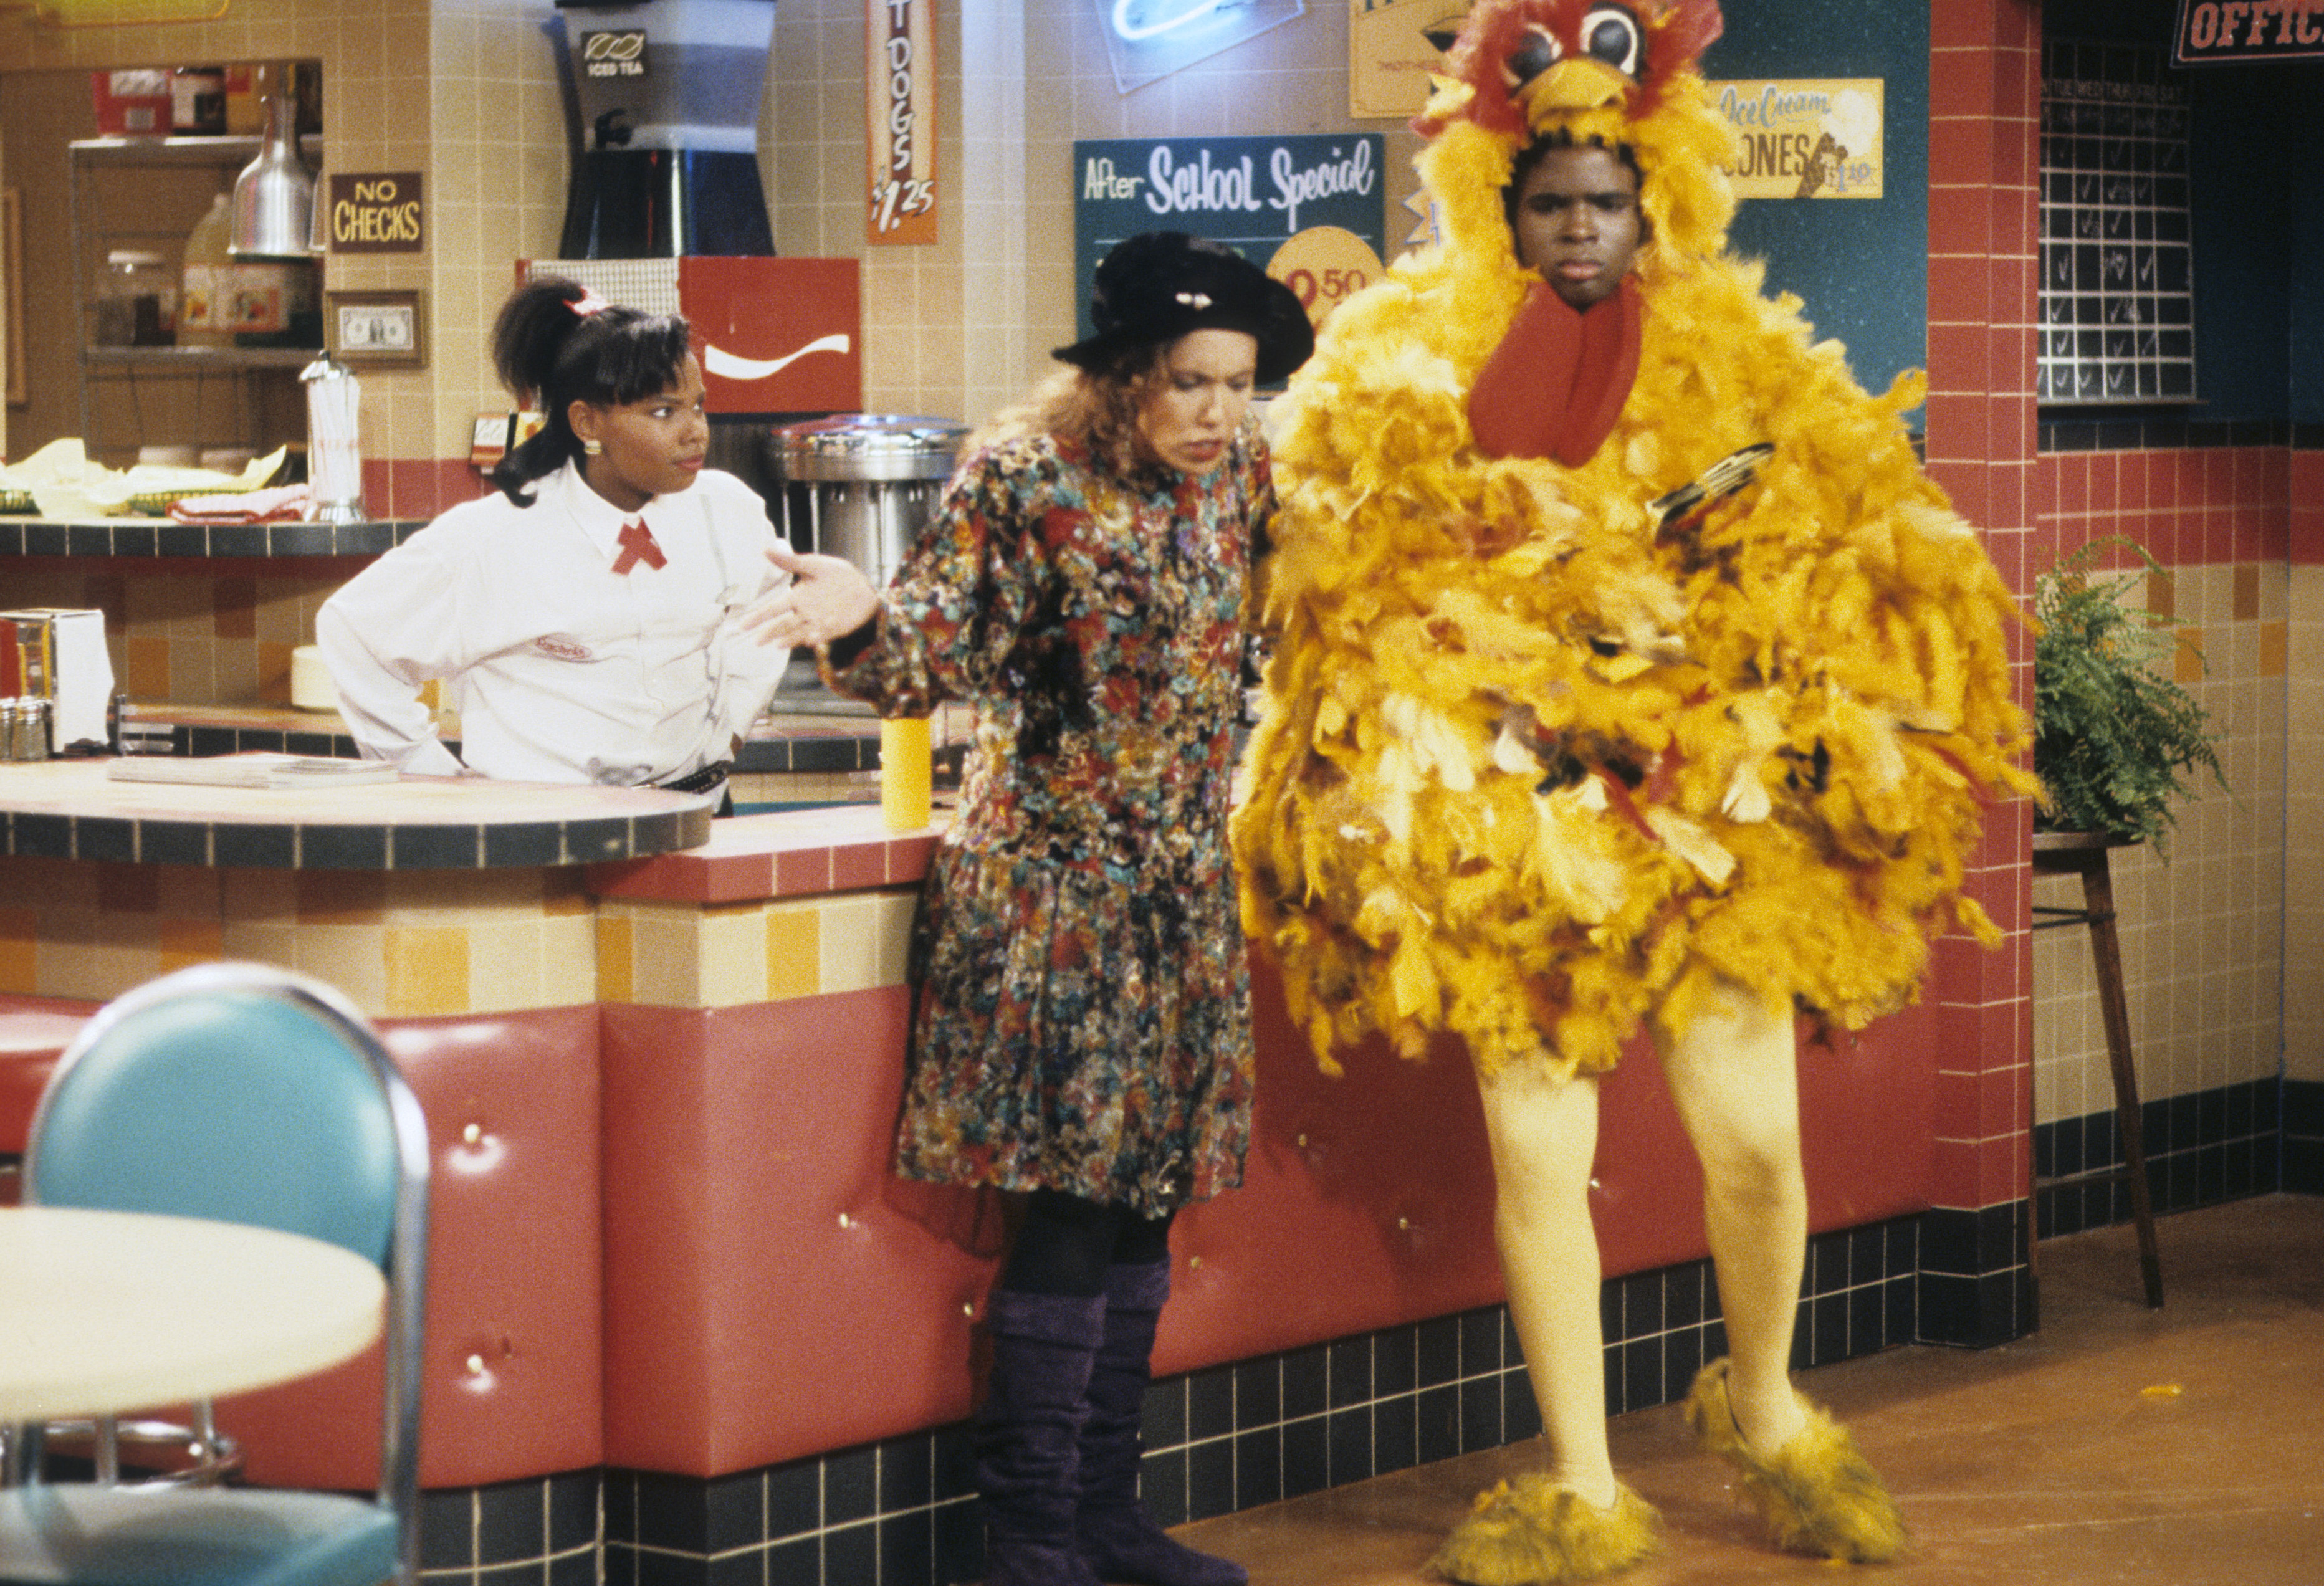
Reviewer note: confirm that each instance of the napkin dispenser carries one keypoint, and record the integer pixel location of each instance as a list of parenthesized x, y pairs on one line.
[(60, 656)]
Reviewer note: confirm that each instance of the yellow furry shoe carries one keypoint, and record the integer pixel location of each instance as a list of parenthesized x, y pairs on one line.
[(1534, 1531), (1818, 1492)]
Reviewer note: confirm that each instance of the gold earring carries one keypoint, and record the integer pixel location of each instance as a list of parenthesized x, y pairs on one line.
[(593, 448)]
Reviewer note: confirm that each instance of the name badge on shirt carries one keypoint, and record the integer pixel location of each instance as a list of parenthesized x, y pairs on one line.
[(561, 649)]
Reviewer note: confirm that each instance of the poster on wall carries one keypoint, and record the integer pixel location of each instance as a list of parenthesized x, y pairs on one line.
[(1805, 137), (899, 104), (2209, 34), (1148, 39), (1311, 210), (1393, 46)]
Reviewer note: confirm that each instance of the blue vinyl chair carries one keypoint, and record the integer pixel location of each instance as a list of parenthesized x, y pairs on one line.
[(244, 1093)]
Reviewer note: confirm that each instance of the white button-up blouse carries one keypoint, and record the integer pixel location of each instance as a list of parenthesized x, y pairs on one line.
[(562, 670)]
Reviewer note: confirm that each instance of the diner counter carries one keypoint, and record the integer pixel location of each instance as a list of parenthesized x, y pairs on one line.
[(817, 733), (662, 1097), (139, 537), (812, 747), (69, 809)]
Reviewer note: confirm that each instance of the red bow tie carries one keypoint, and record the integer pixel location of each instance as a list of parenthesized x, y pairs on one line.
[(638, 544)]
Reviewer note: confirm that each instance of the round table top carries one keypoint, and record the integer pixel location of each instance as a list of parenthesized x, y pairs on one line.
[(108, 1311)]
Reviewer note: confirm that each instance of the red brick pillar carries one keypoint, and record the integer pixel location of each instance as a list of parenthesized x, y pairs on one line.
[(1985, 66)]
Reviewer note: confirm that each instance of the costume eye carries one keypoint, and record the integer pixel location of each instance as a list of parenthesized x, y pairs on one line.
[(1610, 33), (1529, 59)]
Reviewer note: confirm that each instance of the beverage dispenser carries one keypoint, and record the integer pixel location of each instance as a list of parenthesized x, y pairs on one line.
[(861, 485), (668, 94)]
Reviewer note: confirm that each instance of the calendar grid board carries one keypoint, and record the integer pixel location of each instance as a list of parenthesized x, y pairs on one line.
[(2118, 321)]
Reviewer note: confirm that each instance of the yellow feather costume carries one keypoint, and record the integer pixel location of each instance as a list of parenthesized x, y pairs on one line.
[(1527, 770)]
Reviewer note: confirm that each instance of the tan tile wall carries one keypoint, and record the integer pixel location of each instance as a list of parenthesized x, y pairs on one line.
[(190, 638), (965, 327), (2303, 840), (405, 944), (498, 170), (376, 116), (2203, 936), (733, 955), (412, 943)]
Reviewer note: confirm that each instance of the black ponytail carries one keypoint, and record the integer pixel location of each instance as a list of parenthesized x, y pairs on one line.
[(550, 356)]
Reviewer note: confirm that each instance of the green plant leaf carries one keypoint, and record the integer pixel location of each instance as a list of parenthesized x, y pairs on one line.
[(2114, 738)]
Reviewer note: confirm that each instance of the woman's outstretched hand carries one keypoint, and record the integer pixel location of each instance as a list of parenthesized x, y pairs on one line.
[(826, 598)]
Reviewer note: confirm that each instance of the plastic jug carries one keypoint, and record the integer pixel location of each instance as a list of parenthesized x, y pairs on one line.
[(208, 278)]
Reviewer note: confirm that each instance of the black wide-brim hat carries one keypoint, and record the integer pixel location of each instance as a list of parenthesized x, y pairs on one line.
[(1156, 287)]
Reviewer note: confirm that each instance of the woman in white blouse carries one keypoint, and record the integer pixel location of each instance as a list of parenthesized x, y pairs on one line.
[(582, 618)]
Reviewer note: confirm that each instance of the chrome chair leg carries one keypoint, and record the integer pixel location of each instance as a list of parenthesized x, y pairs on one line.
[(20, 1455)]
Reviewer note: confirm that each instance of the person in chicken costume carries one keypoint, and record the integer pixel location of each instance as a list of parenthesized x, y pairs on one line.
[(1628, 671)]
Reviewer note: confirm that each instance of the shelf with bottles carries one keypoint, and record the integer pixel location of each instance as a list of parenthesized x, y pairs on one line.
[(152, 223)]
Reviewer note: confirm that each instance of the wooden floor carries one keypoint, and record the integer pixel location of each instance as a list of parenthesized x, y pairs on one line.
[(2179, 1447)]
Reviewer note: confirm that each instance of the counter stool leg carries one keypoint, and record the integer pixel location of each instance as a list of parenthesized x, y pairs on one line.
[(2106, 947)]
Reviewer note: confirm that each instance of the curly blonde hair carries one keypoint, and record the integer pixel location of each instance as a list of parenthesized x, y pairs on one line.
[(1099, 412)]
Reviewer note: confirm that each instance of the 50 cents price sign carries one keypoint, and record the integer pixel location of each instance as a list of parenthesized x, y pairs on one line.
[(899, 84), (1324, 265)]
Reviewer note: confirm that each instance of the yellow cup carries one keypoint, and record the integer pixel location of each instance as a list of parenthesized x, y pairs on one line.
[(904, 773)]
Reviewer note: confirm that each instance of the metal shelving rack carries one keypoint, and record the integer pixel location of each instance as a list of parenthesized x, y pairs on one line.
[(93, 237)]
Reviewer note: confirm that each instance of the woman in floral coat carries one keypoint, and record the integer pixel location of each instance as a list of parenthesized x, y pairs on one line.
[(1081, 1029)]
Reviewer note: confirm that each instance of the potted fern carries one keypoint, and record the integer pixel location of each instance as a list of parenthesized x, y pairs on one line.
[(2114, 736)]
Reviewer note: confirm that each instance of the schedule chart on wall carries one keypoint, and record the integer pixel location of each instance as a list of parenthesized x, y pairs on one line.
[(2117, 293)]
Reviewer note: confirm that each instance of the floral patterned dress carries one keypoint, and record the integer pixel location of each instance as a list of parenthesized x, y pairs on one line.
[(1081, 1020)]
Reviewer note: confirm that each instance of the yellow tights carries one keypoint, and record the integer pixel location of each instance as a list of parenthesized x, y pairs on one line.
[(1733, 1073)]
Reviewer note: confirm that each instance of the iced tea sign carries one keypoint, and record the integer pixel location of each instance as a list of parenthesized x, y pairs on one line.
[(1311, 210), (899, 79)]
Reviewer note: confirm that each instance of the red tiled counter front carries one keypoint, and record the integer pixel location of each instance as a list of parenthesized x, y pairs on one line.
[(512, 1373), (453, 914), (661, 1094), (771, 1291)]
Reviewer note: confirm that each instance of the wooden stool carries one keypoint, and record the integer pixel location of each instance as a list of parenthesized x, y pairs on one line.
[(2084, 854)]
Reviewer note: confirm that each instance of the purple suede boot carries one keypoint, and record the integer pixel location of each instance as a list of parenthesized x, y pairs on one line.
[(1122, 1542), (1026, 1432)]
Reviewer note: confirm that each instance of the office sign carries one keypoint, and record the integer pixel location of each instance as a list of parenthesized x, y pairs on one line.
[(2211, 34), (1309, 209)]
